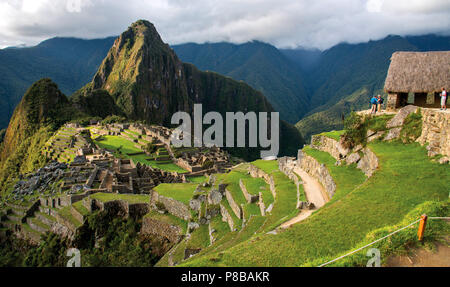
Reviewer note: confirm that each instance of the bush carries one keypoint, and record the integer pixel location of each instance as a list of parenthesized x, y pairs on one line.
[(113, 119), (412, 127), (2, 135), (86, 121), (150, 148), (355, 131), (207, 164)]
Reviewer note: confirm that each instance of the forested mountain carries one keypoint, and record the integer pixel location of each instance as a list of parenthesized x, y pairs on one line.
[(260, 65), (316, 87), (69, 62), (347, 75)]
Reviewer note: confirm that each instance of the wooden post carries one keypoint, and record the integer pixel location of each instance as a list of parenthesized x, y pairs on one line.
[(422, 225)]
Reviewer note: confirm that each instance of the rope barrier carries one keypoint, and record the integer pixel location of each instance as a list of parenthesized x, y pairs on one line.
[(378, 240)]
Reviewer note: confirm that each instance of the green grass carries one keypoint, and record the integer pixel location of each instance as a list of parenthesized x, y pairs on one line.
[(268, 166), (237, 222), (116, 142), (128, 147), (215, 251), (336, 135), (285, 204), (168, 218), (232, 179), (40, 223), (221, 228), (405, 180), (65, 212), (182, 192), (130, 198), (80, 208), (197, 179), (49, 217), (199, 237), (256, 185), (378, 123), (346, 177)]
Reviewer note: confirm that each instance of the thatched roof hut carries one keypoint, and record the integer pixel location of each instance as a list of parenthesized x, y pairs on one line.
[(418, 72), (417, 78)]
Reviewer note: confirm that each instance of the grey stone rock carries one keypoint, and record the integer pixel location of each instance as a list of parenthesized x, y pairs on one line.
[(215, 197), (400, 117), (368, 163), (353, 158), (393, 134), (193, 226), (195, 204)]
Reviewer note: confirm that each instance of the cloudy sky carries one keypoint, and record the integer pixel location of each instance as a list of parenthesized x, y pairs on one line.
[(283, 23)]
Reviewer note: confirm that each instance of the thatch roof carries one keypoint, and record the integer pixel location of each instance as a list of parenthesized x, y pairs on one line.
[(418, 72)]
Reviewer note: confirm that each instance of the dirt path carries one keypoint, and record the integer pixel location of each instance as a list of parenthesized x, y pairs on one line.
[(314, 193), (420, 257)]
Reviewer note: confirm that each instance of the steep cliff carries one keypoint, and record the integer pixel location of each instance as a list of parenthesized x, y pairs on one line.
[(148, 82), (42, 109)]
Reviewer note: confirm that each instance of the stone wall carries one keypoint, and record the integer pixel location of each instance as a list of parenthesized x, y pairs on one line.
[(251, 198), (329, 145), (173, 206), (262, 206), (150, 225), (368, 163), (435, 131), (226, 217), (286, 165), (233, 204), (76, 214), (256, 172), (318, 171), (35, 226)]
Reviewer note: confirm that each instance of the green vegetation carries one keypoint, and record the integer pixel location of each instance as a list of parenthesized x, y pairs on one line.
[(378, 123), (406, 179), (65, 212), (285, 204), (197, 179), (182, 192), (412, 127), (355, 130), (268, 166), (346, 177), (123, 148), (336, 135), (168, 218), (199, 238), (128, 197), (118, 243), (2, 135)]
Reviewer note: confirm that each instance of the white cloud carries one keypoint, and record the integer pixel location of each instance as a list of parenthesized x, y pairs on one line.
[(374, 6), (284, 23)]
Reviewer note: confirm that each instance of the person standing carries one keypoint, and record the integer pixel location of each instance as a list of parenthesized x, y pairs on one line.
[(443, 99), (374, 103), (379, 103)]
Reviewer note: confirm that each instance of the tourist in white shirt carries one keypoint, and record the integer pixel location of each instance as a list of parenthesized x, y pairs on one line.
[(443, 99)]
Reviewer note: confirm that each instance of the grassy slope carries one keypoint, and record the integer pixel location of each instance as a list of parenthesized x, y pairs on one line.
[(128, 147), (182, 192), (405, 180)]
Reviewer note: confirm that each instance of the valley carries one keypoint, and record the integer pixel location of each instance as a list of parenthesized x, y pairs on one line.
[(99, 171)]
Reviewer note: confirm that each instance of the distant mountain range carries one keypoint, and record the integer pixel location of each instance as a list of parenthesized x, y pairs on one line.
[(70, 62), (260, 65), (346, 75), (310, 87)]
